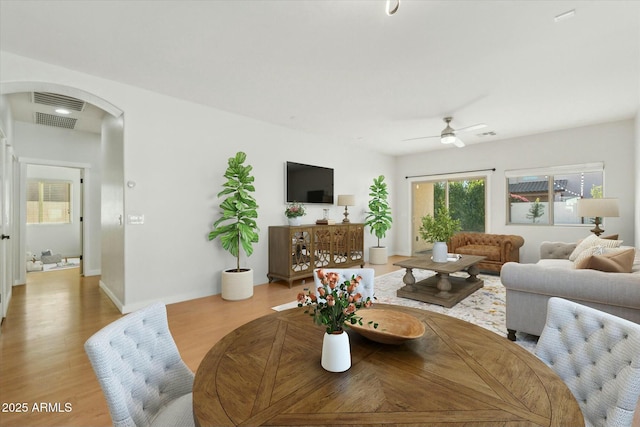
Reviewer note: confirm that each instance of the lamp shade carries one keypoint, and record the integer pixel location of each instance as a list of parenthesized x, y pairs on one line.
[(590, 208), (346, 200)]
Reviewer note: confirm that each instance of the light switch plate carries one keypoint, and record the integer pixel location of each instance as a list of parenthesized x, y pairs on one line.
[(135, 219)]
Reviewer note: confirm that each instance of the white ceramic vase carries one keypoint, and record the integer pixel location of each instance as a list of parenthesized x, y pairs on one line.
[(439, 252), (336, 352), (295, 220)]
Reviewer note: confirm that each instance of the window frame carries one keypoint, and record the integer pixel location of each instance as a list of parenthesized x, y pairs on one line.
[(42, 182), (550, 173)]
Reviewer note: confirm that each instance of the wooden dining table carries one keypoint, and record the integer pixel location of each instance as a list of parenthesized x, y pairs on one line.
[(267, 372)]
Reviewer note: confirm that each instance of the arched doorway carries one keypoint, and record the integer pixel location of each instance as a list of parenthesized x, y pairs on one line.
[(92, 202)]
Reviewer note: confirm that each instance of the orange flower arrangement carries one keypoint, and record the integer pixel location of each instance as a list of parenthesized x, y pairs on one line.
[(335, 303)]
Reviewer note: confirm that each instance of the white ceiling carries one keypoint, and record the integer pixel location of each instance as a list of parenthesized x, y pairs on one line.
[(346, 70)]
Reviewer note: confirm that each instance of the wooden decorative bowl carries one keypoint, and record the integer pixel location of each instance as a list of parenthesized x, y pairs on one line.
[(394, 327)]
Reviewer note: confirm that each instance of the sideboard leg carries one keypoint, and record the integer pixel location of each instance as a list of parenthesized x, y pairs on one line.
[(511, 334)]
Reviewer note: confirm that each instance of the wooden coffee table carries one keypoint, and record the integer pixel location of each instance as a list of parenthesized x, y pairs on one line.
[(441, 289)]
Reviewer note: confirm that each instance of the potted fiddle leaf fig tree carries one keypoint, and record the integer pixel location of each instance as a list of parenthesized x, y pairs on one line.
[(237, 227), (439, 229), (378, 219)]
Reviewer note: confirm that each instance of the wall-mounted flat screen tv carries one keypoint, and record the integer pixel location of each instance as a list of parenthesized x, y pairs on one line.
[(308, 184)]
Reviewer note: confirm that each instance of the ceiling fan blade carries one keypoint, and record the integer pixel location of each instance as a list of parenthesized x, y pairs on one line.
[(458, 143), (472, 127), (421, 137)]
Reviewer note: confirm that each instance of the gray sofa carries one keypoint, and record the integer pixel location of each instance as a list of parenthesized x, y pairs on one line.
[(529, 287)]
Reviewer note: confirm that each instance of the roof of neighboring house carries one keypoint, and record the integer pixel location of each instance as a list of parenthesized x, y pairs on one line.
[(536, 186)]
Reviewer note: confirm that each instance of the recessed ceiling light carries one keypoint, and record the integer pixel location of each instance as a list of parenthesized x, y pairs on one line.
[(566, 15), (62, 111)]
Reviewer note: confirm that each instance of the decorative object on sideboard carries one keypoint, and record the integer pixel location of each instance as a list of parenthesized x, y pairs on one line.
[(294, 212), (346, 200), (325, 218), (598, 208), (378, 219), (439, 229), (237, 227)]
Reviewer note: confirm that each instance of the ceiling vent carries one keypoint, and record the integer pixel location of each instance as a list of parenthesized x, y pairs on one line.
[(55, 121), (490, 133), (55, 100)]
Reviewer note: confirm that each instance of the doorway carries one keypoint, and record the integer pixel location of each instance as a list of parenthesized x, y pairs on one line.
[(54, 197), (464, 196), (27, 154)]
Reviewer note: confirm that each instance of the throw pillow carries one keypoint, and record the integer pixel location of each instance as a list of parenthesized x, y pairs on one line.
[(592, 241), (610, 237), (51, 259), (586, 254), (611, 261)]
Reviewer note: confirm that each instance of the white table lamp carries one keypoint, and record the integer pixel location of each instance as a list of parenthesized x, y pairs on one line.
[(598, 208), (346, 200)]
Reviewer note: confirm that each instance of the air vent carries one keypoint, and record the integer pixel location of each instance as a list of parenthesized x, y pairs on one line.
[(490, 133), (56, 100), (56, 121)]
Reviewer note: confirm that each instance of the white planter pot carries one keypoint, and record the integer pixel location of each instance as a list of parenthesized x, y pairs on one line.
[(336, 352), (295, 220), (237, 285), (378, 255), (439, 253)]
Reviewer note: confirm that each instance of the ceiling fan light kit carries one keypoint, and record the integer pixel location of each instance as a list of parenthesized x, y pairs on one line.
[(448, 134)]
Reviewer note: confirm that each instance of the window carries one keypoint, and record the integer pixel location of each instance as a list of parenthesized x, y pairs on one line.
[(550, 196), (48, 202)]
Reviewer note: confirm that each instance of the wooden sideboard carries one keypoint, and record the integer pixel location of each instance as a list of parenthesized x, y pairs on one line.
[(295, 251)]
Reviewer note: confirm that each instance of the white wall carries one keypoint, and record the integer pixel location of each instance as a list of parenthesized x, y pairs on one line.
[(637, 178), (113, 261), (64, 239), (176, 152), (39, 144), (611, 143)]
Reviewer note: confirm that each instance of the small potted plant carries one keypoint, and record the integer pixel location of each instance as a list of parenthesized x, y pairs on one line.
[(378, 219), (438, 230), (294, 212), (237, 227)]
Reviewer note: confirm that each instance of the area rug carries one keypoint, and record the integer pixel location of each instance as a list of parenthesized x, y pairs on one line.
[(70, 263), (485, 307)]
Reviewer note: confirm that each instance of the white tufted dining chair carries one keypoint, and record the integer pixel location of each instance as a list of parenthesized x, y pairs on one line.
[(598, 356), (139, 368)]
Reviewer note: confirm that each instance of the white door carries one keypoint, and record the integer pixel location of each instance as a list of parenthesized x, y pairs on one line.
[(6, 255)]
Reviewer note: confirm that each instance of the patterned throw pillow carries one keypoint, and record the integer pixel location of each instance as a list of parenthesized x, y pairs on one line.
[(592, 241)]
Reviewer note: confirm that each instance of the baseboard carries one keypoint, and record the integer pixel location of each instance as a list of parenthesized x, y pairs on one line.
[(92, 273), (111, 296), (128, 308)]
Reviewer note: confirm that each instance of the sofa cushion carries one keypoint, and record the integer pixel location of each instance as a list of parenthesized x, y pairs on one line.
[(556, 263), (612, 261), (591, 241), (491, 252)]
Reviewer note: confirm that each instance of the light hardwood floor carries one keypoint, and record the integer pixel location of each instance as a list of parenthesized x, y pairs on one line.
[(49, 319), (42, 358)]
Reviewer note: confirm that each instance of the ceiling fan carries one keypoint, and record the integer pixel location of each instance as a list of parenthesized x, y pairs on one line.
[(448, 134)]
